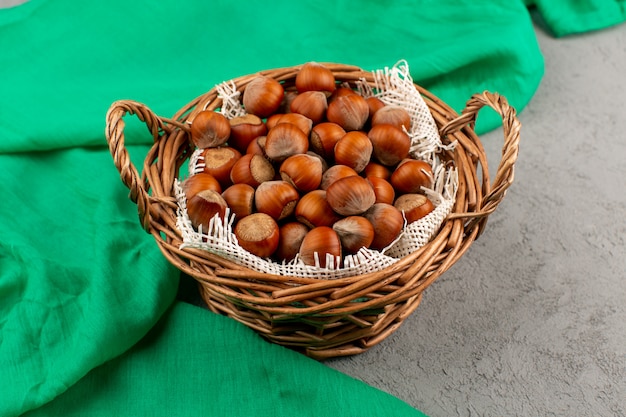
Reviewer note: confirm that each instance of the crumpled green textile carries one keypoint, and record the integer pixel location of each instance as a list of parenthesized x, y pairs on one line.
[(219, 377), (164, 54), (81, 284), (564, 18)]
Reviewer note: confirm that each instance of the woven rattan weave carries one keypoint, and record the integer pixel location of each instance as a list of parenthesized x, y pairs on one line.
[(320, 317)]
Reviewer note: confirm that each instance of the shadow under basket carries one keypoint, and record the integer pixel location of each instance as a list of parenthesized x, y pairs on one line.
[(321, 318)]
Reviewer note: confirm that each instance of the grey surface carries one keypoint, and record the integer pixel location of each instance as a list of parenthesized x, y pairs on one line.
[(531, 320), (11, 3)]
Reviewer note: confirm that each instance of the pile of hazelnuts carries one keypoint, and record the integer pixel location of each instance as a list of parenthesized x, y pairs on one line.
[(311, 169)]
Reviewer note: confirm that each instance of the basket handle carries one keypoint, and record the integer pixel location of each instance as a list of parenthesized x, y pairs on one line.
[(115, 137), (511, 128)]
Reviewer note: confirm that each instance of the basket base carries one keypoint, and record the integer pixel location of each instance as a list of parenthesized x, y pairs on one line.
[(319, 337)]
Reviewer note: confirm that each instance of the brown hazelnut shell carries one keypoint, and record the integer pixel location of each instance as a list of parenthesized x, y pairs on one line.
[(262, 96), (258, 234), (219, 162), (240, 200), (321, 240), (314, 76), (350, 196), (209, 129), (303, 171), (313, 210), (355, 232), (276, 198), (390, 144), (311, 104), (285, 140), (348, 111), (388, 223), (414, 206), (354, 149), (291, 236), (200, 182), (252, 169), (203, 206), (244, 129), (411, 175)]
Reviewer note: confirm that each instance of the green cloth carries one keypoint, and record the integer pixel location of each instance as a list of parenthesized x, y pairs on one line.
[(89, 324), (79, 284), (577, 16), (218, 376), (166, 53)]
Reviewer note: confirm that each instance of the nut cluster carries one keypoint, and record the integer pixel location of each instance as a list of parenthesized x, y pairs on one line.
[(313, 168)]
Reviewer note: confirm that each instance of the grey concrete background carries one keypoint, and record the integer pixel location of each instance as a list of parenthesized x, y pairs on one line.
[(531, 321), (11, 3)]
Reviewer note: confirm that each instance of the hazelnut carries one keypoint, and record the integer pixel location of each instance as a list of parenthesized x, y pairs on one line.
[(317, 244), (284, 140), (355, 232), (209, 129), (258, 234), (311, 104), (391, 144), (393, 115), (276, 198), (324, 136), (388, 223), (348, 111), (414, 206), (273, 120), (301, 121), (244, 129), (303, 171), (252, 169), (219, 162), (350, 195), (382, 189), (262, 96), (200, 182), (203, 206), (313, 210), (374, 104), (291, 235), (341, 91), (240, 200), (374, 169), (354, 149), (319, 157), (314, 76), (257, 146), (334, 173), (411, 175)]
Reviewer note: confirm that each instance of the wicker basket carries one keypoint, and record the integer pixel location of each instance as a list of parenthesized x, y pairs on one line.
[(322, 318)]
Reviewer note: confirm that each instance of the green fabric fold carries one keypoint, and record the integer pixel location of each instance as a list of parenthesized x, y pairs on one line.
[(72, 66), (82, 286), (71, 294), (564, 18), (218, 376)]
